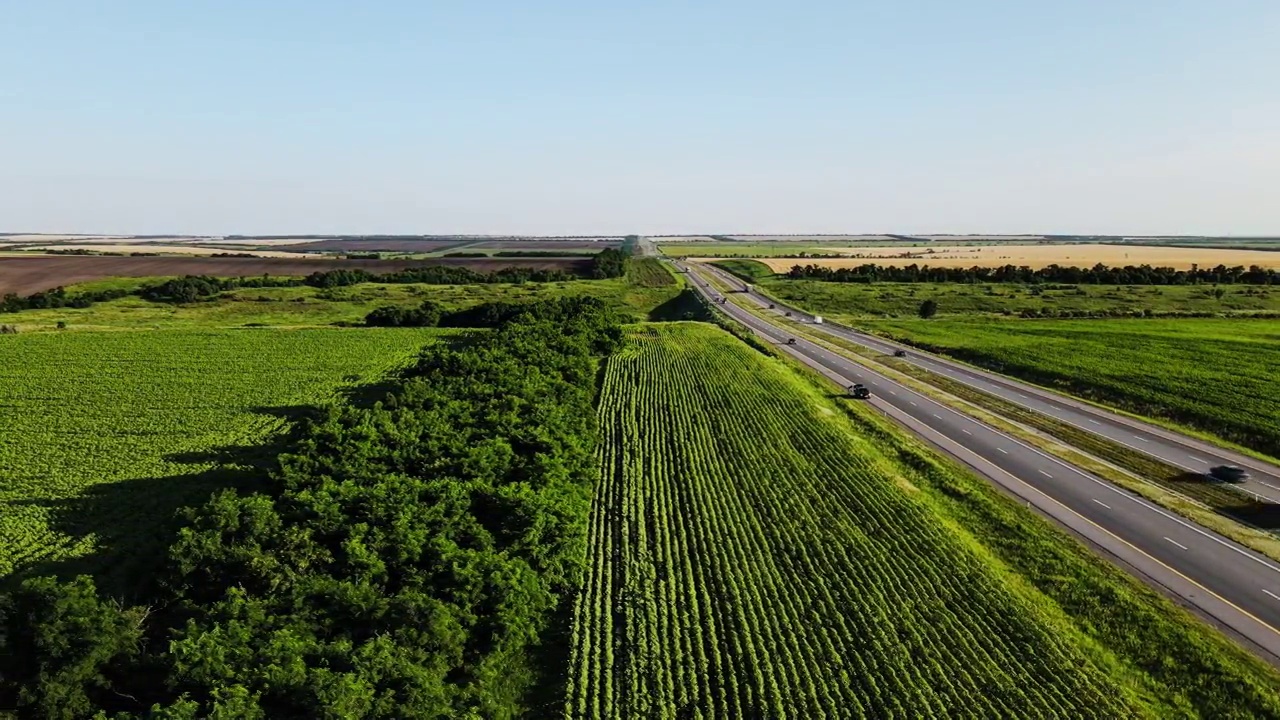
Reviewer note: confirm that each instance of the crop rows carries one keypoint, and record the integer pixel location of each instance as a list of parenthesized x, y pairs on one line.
[(105, 434), (751, 557)]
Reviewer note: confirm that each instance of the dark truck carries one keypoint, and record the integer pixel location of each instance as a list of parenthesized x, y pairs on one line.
[(859, 391), (1228, 474)]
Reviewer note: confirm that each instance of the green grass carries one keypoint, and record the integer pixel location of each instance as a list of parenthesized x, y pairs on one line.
[(785, 558), (749, 270), (855, 300), (106, 434), (649, 273), (312, 307), (1215, 375)]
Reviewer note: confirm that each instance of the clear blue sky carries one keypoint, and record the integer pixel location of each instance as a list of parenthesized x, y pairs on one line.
[(240, 116)]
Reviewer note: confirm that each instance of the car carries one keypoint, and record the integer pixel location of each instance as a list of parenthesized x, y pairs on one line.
[(859, 391), (791, 341), (899, 353), (788, 313), (1228, 473), (770, 306)]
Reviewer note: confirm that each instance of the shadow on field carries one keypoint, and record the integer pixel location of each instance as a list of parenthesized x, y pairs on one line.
[(1227, 500), (133, 522)]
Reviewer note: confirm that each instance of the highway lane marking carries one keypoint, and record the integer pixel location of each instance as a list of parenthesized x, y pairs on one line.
[(1006, 452), (1274, 487), (1045, 474), (1202, 460), (1271, 593), (1095, 422), (913, 403), (1101, 503), (966, 432), (893, 392), (1142, 438), (1159, 511), (937, 416), (1175, 542)]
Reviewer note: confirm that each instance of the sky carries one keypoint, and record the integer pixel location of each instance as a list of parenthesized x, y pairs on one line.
[(656, 117)]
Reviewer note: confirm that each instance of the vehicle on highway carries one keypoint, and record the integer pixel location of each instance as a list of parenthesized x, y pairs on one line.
[(788, 313), (859, 391), (791, 341), (1228, 473), (899, 353), (770, 306)]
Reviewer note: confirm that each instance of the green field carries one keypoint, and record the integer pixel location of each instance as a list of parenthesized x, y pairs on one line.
[(313, 307), (106, 434), (781, 561), (856, 300), (1218, 375)]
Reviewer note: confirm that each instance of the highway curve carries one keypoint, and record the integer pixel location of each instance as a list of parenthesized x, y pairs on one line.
[(1230, 584)]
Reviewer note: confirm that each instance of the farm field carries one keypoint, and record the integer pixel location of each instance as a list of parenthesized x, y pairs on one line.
[(26, 275), (1219, 376), (1037, 256), (175, 249), (779, 561), (641, 296), (107, 434), (885, 299)]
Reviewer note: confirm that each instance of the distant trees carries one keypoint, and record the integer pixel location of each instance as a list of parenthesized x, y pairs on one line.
[(609, 263), (1098, 274)]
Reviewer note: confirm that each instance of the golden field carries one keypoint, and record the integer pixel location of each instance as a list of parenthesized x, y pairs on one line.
[(1035, 256)]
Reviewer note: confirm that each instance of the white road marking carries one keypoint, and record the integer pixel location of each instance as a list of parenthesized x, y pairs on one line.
[(1023, 396), (966, 432), (1142, 438), (1175, 542), (1193, 457), (1095, 422), (1006, 452), (913, 403), (1271, 593), (1101, 503), (1274, 487), (893, 392), (937, 416), (1045, 474)]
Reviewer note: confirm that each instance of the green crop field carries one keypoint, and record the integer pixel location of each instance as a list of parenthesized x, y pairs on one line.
[(855, 300), (1221, 376), (753, 555), (106, 434), (636, 296)]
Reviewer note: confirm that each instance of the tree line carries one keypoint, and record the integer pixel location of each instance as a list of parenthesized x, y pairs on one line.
[(1097, 275), (608, 263), (404, 559)]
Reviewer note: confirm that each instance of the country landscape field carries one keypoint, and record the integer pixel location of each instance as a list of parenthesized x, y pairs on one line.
[(538, 496)]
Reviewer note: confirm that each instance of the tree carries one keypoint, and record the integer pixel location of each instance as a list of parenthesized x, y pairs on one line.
[(928, 309)]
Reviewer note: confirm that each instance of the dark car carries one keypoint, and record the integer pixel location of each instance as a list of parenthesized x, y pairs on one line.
[(859, 391), (1228, 473), (899, 353), (770, 306), (788, 313), (791, 341)]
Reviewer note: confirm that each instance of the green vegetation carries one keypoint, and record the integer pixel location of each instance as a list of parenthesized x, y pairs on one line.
[(107, 434), (408, 558), (777, 562), (749, 270), (316, 307), (1218, 375), (879, 300), (649, 273)]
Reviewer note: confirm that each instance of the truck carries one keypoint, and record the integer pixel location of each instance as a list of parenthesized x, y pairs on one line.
[(817, 319)]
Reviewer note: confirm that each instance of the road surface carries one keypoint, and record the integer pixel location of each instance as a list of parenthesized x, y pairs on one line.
[(1180, 451), (1228, 583)]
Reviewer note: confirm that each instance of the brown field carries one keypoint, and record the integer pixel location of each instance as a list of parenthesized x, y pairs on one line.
[(1038, 256), (172, 249), (412, 245), (26, 275), (579, 245)]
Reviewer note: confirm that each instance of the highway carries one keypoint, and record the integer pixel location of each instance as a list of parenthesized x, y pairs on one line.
[(1227, 583), (1180, 451)]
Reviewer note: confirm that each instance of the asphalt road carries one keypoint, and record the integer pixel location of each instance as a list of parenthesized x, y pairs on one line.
[(1180, 451), (1232, 585)]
